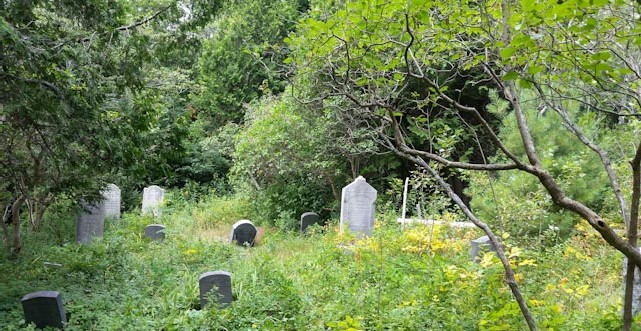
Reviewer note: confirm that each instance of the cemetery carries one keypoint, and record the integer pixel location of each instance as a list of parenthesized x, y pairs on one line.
[(349, 165), (276, 277)]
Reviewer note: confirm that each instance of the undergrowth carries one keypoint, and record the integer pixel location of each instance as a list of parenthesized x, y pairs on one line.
[(416, 278)]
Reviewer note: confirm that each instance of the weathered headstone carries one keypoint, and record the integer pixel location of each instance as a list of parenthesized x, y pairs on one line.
[(111, 203), (215, 285), (152, 198), (155, 232), (480, 245), (636, 287), (44, 309), (90, 222), (243, 233), (358, 206), (307, 219)]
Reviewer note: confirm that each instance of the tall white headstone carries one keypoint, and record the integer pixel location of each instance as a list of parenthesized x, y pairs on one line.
[(152, 197), (358, 206), (111, 203)]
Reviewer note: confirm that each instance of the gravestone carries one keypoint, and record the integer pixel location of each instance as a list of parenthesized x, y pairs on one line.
[(480, 245), (44, 309), (155, 232), (215, 285), (636, 288), (358, 205), (152, 197), (90, 222), (307, 219), (111, 203), (243, 233)]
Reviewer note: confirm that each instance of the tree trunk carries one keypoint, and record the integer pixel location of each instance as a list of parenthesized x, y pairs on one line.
[(15, 209), (5, 228), (628, 299), (38, 209)]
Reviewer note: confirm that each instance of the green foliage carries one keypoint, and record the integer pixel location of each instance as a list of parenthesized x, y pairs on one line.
[(241, 61), (419, 278), (578, 171), (285, 161)]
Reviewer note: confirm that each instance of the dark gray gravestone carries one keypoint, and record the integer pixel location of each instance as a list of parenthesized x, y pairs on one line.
[(152, 197), (215, 285), (243, 233), (358, 205), (155, 232), (44, 309), (90, 222), (307, 219), (480, 245), (636, 287), (111, 203)]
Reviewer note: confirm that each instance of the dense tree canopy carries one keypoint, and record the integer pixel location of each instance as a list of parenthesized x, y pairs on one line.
[(526, 114)]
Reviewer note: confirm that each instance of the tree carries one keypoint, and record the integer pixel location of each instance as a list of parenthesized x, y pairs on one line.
[(72, 107), (289, 159), (567, 53), (242, 59)]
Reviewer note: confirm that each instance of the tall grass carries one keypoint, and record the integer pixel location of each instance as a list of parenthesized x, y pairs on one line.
[(413, 279)]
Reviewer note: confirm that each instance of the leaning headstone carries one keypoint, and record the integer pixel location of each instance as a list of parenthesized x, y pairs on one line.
[(152, 197), (215, 285), (44, 309), (479, 246), (111, 203), (307, 219), (636, 287), (90, 222), (155, 232), (358, 205), (243, 233)]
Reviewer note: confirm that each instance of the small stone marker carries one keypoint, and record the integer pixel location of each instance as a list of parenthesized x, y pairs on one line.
[(215, 285), (243, 233), (152, 197), (111, 204), (44, 309), (480, 245), (307, 219), (155, 232), (90, 222), (358, 206)]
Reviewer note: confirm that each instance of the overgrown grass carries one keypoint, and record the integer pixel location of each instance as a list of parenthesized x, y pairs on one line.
[(418, 278)]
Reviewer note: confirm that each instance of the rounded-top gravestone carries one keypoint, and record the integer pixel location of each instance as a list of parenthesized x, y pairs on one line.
[(243, 233), (307, 219), (155, 232), (216, 285), (152, 198), (44, 309)]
